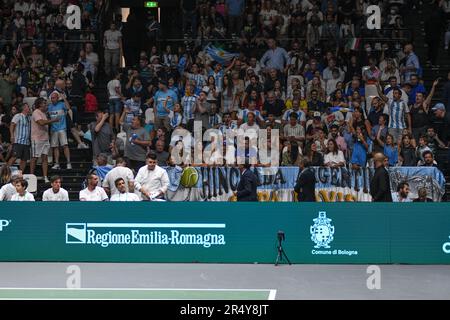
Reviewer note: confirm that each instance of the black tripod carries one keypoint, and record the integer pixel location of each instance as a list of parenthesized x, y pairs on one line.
[(281, 253)]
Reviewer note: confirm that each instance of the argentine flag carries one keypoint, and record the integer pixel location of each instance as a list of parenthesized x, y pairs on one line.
[(219, 55)]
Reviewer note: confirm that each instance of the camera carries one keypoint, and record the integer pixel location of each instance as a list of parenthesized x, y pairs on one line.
[(281, 236)]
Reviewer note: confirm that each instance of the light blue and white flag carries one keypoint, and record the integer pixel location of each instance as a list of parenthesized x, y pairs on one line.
[(220, 55)]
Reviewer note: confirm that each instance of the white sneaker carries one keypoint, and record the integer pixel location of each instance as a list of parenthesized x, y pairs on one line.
[(69, 166), (82, 146), (46, 180), (56, 166)]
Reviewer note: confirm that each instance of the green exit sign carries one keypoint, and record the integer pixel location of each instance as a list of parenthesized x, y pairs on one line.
[(151, 4)]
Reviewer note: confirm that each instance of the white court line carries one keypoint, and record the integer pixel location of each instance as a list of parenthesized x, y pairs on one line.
[(150, 289), (272, 294), (156, 225)]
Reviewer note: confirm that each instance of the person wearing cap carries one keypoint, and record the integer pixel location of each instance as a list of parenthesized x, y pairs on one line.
[(441, 122), (20, 130), (164, 99), (40, 144), (58, 110), (380, 186), (8, 190)]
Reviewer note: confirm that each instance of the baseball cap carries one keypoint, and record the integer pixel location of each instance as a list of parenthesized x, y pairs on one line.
[(163, 82), (317, 114), (438, 106)]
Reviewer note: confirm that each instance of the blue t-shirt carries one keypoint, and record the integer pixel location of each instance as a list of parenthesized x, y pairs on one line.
[(392, 154), (58, 110), (160, 97)]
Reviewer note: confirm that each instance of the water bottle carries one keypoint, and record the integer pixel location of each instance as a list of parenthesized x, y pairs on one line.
[(132, 138)]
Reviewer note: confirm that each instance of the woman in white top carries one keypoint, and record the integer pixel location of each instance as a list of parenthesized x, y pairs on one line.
[(334, 158), (22, 193)]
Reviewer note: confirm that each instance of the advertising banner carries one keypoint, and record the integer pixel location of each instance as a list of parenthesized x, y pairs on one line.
[(225, 232)]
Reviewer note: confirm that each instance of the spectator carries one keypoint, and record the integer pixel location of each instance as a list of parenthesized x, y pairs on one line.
[(334, 157), (399, 113), (151, 180), (93, 192), (162, 156), (276, 57), (40, 144), (407, 154), (56, 192), (58, 110), (402, 193), (137, 142), (120, 171), (20, 137), (115, 103), (411, 65), (102, 135), (123, 194), (9, 189), (21, 192), (422, 196), (112, 43), (428, 160), (164, 99)]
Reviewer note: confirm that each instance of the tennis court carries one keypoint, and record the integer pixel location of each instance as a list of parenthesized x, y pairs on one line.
[(197, 281)]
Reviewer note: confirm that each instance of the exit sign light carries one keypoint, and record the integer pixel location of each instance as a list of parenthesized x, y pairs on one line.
[(151, 4)]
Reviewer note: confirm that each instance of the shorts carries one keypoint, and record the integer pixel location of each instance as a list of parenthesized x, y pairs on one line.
[(115, 106), (59, 138), (39, 148), (21, 151)]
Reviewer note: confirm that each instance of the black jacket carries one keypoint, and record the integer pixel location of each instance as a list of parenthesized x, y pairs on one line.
[(306, 185), (246, 189), (380, 186)]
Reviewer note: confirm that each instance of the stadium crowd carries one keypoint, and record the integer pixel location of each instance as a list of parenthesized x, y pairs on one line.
[(305, 68)]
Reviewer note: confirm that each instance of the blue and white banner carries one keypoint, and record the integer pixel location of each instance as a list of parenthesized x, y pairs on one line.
[(277, 183), (220, 55)]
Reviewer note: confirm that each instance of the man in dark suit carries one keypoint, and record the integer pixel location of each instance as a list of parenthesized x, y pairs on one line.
[(306, 183), (380, 185), (246, 189)]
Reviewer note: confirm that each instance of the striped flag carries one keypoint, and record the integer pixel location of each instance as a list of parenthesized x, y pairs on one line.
[(353, 43), (220, 55)]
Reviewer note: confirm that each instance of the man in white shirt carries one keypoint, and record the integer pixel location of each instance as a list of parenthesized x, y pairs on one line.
[(122, 194), (402, 193), (92, 192), (55, 193), (8, 190), (119, 171), (112, 42), (151, 181), (22, 193)]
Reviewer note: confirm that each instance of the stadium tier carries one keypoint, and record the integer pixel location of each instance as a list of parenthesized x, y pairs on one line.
[(237, 101)]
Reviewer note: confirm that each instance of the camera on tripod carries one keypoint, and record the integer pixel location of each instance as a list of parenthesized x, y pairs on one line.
[(281, 236), (281, 254)]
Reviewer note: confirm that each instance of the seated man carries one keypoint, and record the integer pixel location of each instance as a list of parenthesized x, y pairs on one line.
[(123, 195)]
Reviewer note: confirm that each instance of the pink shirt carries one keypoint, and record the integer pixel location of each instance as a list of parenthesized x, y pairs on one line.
[(38, 132)]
